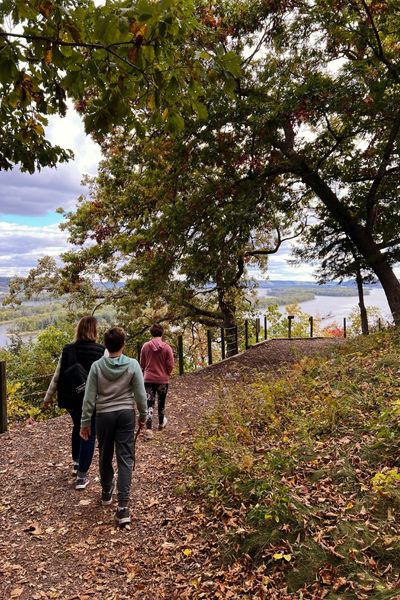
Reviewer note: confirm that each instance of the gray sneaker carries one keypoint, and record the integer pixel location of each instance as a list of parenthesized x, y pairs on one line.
[(106, 496), (81, 483), (122, 516)]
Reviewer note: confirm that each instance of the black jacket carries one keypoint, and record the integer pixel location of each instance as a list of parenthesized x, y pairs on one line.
[(87, 353)]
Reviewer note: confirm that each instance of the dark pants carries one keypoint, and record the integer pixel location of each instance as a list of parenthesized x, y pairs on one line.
[(154, 390), (116, 430), (82, 451)]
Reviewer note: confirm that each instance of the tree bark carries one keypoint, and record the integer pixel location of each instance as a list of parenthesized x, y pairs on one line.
[(361, 304), (360, 237)]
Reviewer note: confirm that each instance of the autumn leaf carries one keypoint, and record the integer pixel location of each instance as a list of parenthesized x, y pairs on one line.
[(48, 56), (34, 529), (287, 557)]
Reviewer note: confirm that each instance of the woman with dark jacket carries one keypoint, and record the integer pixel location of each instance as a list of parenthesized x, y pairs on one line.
[(84, 351)]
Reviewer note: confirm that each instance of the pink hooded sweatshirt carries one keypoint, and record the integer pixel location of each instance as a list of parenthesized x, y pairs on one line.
[(157, 361)]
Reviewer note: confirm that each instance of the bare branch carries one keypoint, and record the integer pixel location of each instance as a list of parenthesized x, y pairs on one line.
[(266, 251), (372, 195), (90, 46)]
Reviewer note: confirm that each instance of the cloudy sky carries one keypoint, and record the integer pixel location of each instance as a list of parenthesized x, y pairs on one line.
[(28, 219)]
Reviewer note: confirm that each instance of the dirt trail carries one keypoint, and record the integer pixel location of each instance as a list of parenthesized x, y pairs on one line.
[(56, 542)]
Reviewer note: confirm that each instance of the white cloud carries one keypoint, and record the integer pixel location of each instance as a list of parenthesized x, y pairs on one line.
[(49, 189), (21, 246), (69, 132)]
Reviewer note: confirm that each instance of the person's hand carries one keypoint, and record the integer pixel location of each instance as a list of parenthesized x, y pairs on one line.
[(142, 424), (85, 433)]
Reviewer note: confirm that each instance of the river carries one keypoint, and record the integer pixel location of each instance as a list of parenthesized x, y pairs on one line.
[(335, 308), (5, 336)]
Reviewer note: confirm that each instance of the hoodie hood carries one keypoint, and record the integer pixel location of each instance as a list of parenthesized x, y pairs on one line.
[(156, 344), (113, 368)]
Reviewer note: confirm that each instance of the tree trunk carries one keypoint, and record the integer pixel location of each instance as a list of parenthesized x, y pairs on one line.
[(361, 304), (228, 311), (360, 237)]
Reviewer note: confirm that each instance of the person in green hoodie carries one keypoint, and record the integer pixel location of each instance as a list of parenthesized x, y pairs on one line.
[(114, 383)]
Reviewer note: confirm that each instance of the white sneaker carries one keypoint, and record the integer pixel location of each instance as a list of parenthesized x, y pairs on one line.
[(163, 424), (148, 434)]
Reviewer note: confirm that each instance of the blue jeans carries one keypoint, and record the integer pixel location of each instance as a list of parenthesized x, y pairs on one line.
[(82, 451)]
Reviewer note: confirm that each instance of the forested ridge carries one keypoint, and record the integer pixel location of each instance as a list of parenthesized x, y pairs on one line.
[(276, 478)]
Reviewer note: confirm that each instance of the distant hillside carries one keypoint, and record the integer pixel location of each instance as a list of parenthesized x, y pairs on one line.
[(262, 283), (281, 283)]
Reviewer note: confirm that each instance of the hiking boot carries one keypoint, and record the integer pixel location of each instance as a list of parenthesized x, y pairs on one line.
[(75, 467), (81, 483), (163, 424), (148, 434), (122, 516), (106, 496)]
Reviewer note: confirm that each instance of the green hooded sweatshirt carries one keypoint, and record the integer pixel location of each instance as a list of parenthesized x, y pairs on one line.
[(114, 384)]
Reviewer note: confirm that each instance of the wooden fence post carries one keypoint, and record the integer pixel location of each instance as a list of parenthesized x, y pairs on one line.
[(311, 326), (222, 343), (246, 335), (265, 327), (257, 329), (290, 319), (3, 397), (236, 340), (209, 347), (344, 327), (180, 354)]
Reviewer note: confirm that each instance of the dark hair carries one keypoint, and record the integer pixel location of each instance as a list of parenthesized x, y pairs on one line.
[(114, 339), (156, 330), (86, 329)]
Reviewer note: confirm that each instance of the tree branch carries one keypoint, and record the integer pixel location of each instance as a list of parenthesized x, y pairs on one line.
[(379, 53), (265, 252), (371, 198), (90, 46)]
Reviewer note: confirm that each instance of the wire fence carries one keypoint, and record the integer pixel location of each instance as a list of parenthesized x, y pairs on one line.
[(218, 344)]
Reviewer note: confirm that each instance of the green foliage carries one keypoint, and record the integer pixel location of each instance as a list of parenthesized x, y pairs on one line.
[(117, 62), (306, 467), (387, 483), (30, 367), (278, 326), (374, 316), (17, 408), (26, 310)]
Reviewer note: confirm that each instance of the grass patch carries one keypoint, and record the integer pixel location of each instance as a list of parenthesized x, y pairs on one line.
[(300, 475)]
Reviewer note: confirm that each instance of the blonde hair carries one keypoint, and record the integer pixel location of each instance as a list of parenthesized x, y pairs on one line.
[(86, 329)]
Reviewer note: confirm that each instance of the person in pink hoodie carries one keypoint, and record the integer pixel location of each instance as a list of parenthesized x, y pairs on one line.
[(157, 362)]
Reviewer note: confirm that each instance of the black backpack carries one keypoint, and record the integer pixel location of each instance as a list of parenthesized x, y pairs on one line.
[(72, 381)]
